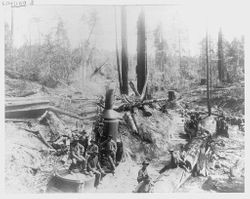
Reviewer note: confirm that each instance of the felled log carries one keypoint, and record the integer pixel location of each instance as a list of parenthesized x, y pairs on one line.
[(56, 125), (134, 116), (172, 179), (21, 103), (29, 112), (25, 108), (128, 118), (193, 151)]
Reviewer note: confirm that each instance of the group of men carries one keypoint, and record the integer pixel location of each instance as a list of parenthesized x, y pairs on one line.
[(85, 154)]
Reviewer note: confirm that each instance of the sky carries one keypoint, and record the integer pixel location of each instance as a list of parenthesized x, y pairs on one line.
[(191, 20)]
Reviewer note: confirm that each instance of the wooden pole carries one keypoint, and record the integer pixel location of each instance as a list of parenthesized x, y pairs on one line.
[(124, 51), (207, 63)]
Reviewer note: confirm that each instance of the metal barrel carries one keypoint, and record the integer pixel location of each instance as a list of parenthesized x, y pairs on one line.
[(110, 117)]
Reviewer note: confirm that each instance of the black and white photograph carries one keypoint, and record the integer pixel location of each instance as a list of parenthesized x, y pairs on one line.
[(124, 98)]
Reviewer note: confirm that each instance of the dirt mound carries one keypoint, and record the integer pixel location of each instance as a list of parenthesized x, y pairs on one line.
[(28, 163), (154, 136)]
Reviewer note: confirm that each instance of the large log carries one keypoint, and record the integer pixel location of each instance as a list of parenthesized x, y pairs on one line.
[(195, 160), (171, 180), (22, 104), (128, 118), (56, 125)]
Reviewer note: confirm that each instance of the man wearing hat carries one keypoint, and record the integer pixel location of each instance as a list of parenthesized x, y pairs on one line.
[(143, 179), (93, 166), (92, 147), (111, 152), (76, 154)]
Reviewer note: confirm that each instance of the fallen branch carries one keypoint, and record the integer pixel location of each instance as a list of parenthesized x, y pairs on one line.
[(39, 135), (98, 69)]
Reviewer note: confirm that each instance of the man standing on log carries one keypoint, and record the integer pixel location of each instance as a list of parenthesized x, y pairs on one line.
[(143, 179)]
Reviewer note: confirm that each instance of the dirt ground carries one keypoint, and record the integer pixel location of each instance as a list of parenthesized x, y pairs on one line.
[(29, 164)]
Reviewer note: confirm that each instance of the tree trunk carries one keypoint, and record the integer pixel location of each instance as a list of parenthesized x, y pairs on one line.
[(221, 64), (124, 89), (207, 63), (118, 57), (141, 68)]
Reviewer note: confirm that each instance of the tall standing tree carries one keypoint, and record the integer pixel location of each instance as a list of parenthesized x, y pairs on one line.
[(221, 64), (208, 73), (160, 48), (124, 64), (141, 68)]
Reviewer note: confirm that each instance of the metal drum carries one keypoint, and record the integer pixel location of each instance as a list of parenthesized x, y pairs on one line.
[(110, 117), (111, 123)]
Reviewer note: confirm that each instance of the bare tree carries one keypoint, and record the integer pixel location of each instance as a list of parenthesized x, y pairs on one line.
[(221, 64), (124, 51), (207, 63), (141, 68)]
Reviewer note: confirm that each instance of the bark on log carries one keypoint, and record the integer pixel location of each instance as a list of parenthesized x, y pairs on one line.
[(128, 118), (56, 125), (172, 179), (16, 105)]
